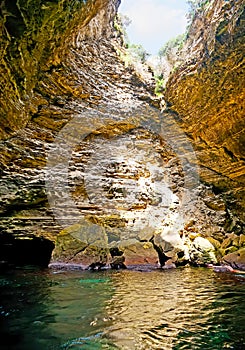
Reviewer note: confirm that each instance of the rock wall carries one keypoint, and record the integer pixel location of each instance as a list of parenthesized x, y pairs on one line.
[(207, 93), (36, 36), (89, 163)]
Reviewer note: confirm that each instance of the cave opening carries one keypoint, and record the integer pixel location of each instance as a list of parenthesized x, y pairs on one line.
[(151, 24), (21, 251)]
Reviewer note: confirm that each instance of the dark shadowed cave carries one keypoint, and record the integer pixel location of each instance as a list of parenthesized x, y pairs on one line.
[(21, 251)]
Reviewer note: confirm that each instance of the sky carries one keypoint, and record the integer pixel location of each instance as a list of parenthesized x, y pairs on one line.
[(154, 22)]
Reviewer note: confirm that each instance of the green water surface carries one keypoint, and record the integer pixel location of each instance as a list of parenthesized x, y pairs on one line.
[(185, 308)]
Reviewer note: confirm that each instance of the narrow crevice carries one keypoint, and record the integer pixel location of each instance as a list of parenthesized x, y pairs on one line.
[(117, 259), (230, 154), (216, 172), (162, 257), (78, 252), (115, 252)]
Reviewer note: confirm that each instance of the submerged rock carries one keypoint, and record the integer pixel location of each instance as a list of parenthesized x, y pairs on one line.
[(223, 268)]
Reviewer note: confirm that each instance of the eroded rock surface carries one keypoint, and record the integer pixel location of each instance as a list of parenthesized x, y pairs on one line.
[(207, 92)]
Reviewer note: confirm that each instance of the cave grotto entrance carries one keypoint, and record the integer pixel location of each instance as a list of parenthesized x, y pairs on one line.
[(24, 250)]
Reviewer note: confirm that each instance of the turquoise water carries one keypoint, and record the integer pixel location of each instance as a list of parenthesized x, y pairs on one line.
[(188, 308)]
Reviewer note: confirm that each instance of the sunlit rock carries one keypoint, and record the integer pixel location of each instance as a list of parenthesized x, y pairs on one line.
[(207, 92), (202, 252), (236, 259), (140, 253)]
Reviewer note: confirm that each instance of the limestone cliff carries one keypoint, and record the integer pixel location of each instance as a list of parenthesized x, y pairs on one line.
[(89, 164), (207, 93)]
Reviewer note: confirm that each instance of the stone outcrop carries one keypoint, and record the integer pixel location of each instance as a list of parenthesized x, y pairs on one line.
[(89, 163)]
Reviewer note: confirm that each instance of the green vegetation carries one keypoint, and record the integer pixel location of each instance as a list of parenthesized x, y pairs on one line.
[(196, 6), (170, 55), (171, 48), (169, 58), (160, 85), (121, 22), (176, 42), (133, 54), (137, 52)]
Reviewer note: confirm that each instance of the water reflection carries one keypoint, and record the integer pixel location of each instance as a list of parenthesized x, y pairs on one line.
[(178, 309), (24, 309), (43, 311)]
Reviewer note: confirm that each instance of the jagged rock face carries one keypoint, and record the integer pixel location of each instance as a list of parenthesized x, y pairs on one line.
[(36, 37), (207, 92), (69, 72), (86, 160)]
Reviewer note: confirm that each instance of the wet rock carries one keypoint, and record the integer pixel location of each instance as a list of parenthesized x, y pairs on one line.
[(140, 253), (168, 266), (171, 249), (65, 266), (118, 262), (223, 268), (236, 259), (71, 247), (117, 259)]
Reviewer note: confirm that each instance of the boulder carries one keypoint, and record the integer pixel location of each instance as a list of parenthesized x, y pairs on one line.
[(70, 248), (236, 259), (140, 253), (202, 252)]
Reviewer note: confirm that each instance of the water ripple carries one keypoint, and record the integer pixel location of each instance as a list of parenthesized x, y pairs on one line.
[(127, 310)]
